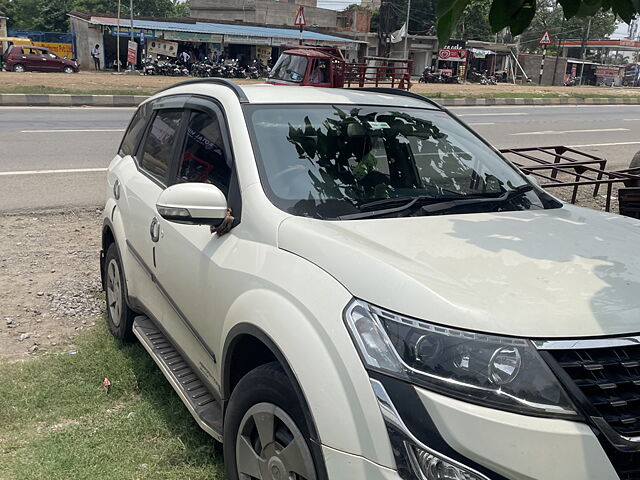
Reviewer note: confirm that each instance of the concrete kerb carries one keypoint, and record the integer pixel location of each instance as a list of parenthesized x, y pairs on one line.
[(61, 100)]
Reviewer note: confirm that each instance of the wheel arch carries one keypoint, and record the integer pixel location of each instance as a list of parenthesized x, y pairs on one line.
[(247, 347)]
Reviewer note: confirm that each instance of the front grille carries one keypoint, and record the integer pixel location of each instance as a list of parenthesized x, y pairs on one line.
[(609, 379)]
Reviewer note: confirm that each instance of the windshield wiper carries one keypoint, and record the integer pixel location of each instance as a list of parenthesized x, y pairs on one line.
[(505, 197), (430, 204)]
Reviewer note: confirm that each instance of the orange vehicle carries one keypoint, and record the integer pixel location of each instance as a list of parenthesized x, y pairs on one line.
[(326, 67)]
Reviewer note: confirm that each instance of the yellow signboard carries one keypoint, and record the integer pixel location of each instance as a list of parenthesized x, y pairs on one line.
[(60, 49)]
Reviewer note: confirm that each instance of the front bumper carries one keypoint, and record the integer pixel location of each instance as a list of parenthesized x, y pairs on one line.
[(495, 444)]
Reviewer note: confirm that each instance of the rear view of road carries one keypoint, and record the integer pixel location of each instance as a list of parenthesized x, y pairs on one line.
[(57, 157)]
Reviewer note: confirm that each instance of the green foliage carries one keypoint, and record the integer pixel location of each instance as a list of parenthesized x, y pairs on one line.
[(549, 16), (474, 23), (517, 15), (51, 15)]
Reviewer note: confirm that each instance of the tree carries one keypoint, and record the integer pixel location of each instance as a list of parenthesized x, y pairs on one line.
[(474, 22), (518, 14), (549, 16)]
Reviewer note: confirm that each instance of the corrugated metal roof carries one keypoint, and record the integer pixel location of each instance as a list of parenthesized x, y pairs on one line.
[(220, 29)]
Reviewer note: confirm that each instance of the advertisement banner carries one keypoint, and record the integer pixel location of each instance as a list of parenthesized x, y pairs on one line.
[(607, 72), (263, 53), (452, 54), (162, 47), (60, 49), (192, 37), (132, 52)]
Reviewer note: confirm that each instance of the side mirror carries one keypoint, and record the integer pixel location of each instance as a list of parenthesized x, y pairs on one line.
[(192, 204)]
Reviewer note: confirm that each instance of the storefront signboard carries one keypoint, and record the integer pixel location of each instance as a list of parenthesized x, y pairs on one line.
[(452, 54), (162, 47), (137, 32), (132, 52), (607, 72), (192, 37), (246, 40)]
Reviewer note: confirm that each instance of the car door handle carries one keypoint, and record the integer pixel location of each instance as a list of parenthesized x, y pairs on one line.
[(154, 229)]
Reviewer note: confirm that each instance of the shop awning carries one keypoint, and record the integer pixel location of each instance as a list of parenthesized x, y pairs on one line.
[(231, 31), (482, 52)]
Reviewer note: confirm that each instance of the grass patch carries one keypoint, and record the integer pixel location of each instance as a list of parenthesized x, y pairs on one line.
[(42, 89), (57, 422)]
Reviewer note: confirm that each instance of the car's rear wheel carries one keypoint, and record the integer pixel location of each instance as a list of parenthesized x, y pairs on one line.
[(119, 315), (265, 433), (68, 70), (18, 68)]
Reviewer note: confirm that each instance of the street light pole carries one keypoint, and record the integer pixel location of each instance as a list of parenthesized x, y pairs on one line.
[(406, 31)]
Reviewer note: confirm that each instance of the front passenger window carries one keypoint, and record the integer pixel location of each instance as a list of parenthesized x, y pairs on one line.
[(158, 145), (203, 159)]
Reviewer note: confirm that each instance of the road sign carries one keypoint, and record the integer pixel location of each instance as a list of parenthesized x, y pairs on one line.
[(546, 38), (300, 21)]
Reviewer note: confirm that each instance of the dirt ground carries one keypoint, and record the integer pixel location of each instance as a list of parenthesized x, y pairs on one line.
[(108, 82), (50, 281)]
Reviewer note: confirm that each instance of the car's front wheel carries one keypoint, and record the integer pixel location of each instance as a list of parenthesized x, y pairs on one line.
[(18, 68), (265, 433), (119, 316), (68, 69)]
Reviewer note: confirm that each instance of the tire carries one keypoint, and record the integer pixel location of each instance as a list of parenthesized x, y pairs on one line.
[(68, 69), (119, 315), (19, 68), (635, 163), (266, 393)]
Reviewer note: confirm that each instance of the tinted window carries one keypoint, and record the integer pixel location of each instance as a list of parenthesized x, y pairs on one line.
[(326, 161), (203, 158), (134, 133), (290, 68), (159, 142)]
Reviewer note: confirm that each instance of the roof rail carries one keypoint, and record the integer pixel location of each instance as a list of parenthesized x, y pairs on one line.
[(216, 81), (403, 93)]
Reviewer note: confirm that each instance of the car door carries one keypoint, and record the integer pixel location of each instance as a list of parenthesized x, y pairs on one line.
[(189, 257), (141, 190), (37, 60)]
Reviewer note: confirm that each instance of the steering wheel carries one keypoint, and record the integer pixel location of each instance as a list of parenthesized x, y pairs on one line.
[(286, 176)]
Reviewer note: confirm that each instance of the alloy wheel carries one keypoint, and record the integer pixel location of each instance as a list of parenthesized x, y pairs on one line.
[(269, 446), (114, 292)]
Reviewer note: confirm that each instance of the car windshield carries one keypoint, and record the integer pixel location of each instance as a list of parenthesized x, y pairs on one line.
[(337, 162), (289, 68)]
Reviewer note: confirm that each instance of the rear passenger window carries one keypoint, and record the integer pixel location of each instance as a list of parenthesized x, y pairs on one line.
[(158, 145), (203, 158), (131, 139)]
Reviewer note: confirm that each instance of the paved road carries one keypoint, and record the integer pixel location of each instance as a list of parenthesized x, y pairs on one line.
[(57, 157)]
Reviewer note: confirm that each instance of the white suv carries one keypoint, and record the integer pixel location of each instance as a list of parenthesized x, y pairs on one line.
[(351, 284)]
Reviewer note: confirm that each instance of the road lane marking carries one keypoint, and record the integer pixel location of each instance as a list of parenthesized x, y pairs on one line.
[(480, 123), (491, 114), (594, 130), (604, 144), (632, 119), (41, 172), (75, 130)]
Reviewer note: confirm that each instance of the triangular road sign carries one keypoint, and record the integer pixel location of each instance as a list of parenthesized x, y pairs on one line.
[(300, 21), (546, 38)]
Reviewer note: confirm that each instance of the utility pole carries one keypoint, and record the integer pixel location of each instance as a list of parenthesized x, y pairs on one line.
[(118, 39), (555, 66), (131, 66), (583, 54), (406, 31)]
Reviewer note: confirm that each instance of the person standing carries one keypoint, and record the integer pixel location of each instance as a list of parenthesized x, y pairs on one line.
[(95, 54)]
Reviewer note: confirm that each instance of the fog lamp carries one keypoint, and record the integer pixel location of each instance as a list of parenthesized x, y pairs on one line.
[(436, 468)]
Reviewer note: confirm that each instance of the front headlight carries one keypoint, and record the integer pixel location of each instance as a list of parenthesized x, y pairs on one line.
[(498, 372)]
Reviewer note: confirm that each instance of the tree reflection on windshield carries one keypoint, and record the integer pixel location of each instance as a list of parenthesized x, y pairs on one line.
[(334, 160)]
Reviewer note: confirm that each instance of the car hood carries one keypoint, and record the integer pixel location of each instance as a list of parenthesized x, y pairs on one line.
[(565, 272)]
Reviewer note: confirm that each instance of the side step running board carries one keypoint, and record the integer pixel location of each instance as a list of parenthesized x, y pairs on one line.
[(204, 407)]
